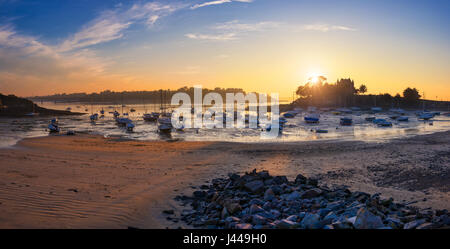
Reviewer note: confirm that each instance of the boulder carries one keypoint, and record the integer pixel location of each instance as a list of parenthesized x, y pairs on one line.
[(311, 221), (255, 186), (367, 220), (269, 195), (414, 224), (311, 193)]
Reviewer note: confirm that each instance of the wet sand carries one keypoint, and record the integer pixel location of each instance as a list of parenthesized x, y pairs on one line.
[(87, 181)]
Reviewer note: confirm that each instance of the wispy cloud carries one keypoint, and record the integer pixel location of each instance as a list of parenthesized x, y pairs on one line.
[(217, 2), (111, 25), (326, 27), (212, 37), (232, 30)]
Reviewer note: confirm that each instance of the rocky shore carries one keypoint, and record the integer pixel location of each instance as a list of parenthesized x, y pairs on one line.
[(257, 200)]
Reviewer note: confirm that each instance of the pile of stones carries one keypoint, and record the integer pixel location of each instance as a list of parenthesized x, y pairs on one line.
[(257, 200)]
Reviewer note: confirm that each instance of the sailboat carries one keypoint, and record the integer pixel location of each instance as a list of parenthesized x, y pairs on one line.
[(150, 117), (312, 118)]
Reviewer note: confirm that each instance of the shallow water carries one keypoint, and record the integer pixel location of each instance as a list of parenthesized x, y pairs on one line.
[(14, 129)]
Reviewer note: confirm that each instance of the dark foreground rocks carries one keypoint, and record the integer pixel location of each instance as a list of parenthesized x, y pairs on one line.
[(257, 200)]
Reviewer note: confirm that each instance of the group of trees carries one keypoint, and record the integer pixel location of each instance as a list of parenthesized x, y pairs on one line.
[(319, 92), (132, 97)]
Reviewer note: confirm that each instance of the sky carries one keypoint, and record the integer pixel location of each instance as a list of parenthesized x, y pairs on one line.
[(270, 46)]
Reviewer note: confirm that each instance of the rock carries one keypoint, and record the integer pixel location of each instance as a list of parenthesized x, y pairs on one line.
[(280, 180), (293, 196), (269, 195), (324, 211), (224, 213), (199, 194), (234, 177), (311, 193), (285, 224), (300, 179), (168, 212), (413, 224), (255, 186), (258, 220), (312, 182), (426, 225), (233, 207), (394, 222), (293, 218), (244, 226), (311, 221), (366, 220), (254, 209)]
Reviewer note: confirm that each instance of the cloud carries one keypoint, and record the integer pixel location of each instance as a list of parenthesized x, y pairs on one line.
[(232, 30), (111, 25), (217, 2), (326, 28), (212, 37)]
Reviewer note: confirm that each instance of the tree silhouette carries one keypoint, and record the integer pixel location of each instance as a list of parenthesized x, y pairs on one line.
[(362, 89), (411, 96)]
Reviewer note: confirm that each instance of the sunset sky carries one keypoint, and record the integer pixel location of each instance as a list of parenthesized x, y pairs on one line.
[(57, 46)]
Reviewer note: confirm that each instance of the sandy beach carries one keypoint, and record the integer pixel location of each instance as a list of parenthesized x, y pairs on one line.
[(88, 181)]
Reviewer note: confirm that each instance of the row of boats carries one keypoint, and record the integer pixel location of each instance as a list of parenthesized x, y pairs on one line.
[(312, 116)]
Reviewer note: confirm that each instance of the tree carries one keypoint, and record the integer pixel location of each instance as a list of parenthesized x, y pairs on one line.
[(362, 89), (411, 96)]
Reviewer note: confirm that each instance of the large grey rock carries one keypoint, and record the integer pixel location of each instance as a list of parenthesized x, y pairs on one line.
[(254, 209), (311, 193), (413, 224), (269, 195), (285, 224), (293, 196), (366, 220), (311, 221), (258, 220), (255, 186), (300, 179)]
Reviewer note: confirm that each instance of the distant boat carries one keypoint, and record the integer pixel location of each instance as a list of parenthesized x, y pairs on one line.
[(370, 119), (376, 109), (288, 115), (151, 117), (123, 121), (385, 124), (312, 118), (382, 122), (165, 125), (130, 126), (321, 131), (344, 110), (346, 121), (426, 116), (403, 119)]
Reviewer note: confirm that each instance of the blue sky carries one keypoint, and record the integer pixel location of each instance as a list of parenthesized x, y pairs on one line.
[(88, 45)]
